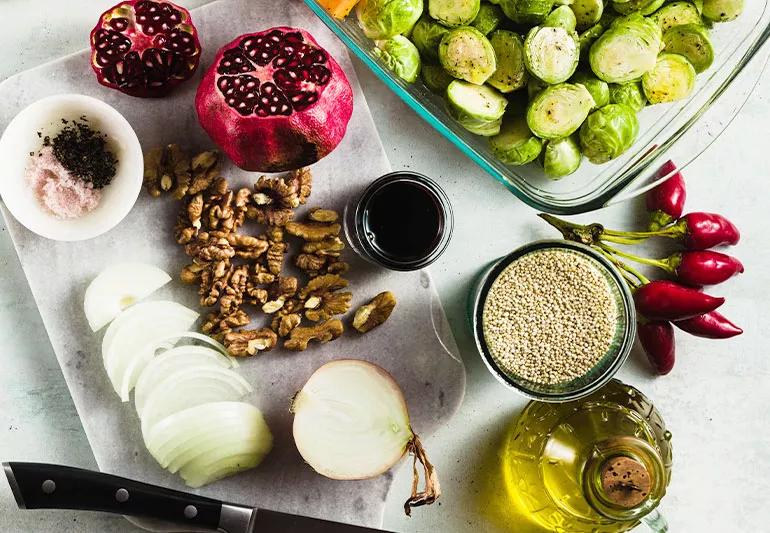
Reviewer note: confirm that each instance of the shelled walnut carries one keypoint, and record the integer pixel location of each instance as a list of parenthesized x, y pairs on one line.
[(322, 299), (249, 342), (375, 313), (170, 168), (300, 337)]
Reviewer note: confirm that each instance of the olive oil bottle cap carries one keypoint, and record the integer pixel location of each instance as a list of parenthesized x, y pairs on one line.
[(625, 482)]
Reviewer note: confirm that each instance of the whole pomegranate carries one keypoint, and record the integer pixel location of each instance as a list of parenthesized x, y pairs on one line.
[(144, 47), (275, 101)]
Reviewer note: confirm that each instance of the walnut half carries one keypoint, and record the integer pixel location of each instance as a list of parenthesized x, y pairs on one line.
[(249, 342), (324, 332), (374, 313)]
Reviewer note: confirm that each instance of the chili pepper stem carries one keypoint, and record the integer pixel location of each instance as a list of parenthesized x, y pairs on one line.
[(661, 264), (594, 233), (636, 280)]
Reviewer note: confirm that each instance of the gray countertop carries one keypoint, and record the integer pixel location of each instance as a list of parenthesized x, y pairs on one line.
[(715, 402)]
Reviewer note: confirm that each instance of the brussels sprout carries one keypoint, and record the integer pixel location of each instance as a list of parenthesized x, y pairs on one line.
[(676, 14), (454, 12), (400, 56), (629, 94), (466, 54), (559, 110), (628, 49), (588, 37), (382, 19), (692, 41), (515, 144), (527, 11), (561, 17), (698, 5), (645, 7), (435, 78), (535, 87), (722, 10), (427, 35), (599, 89), (608, 132), (551, 54), (489, 18), (561, 157), (587, 12), (478, 108), (511, 74), (673, 78)]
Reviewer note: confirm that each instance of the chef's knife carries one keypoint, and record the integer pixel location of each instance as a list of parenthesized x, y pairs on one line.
[(45, 486)]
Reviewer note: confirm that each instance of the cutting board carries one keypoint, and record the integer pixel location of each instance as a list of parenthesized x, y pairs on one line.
[(415, 345)]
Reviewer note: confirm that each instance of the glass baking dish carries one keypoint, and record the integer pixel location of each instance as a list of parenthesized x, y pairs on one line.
[(679, 131)]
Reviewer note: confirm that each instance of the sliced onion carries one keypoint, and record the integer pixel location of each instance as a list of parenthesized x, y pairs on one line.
[(168, 361), (118, 287), (189, 386), (131, 342), (212, 440), (351, 422)]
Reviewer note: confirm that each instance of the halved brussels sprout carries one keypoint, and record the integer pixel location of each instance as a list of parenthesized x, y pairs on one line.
[(466, 54), (535, 87), (600, 90), (478, 108), (489, 18), (691, 41), (454, 12), (587, 12), (511, 74), (588, 37), (561, 157), (627, 50), (608, 132), (436, 78), (515, 144), (427, 35), (551, 54), (676, 14), (400, 56), (559, 110), (561, 17), (382, 19), (645, 7), (722, 10), (527, 11), (673, 78), (629, 94)]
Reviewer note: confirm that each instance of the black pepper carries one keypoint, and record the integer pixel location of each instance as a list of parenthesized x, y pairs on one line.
[(83, 151)]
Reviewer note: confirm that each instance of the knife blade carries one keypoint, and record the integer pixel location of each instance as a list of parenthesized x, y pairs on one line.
[(47, 486)]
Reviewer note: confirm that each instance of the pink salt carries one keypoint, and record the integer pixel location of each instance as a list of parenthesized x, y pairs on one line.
[(61, 193)]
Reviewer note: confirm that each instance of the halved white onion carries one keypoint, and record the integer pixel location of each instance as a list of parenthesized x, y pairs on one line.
[(188, 386), (209, 441), (351, 422), (118, 287), (131, 341)]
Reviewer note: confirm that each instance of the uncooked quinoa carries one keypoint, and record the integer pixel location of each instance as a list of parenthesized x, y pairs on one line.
[(550, 316)]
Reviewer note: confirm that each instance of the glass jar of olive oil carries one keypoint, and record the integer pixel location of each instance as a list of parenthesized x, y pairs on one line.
[(596, 465)]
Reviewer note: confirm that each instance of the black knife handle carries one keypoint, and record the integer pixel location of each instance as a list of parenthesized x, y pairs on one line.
[(46, 486)]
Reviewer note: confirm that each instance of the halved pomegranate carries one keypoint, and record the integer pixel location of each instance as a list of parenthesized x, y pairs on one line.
[(275, 100), (144, 47)]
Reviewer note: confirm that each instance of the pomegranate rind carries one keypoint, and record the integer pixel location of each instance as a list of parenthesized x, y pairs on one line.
[(276, 143), (127, 8)]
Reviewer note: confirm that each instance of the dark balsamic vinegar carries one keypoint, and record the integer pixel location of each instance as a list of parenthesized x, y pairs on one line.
[(403, 220)]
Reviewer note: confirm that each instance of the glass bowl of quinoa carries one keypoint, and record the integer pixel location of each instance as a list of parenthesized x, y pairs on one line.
[(553, 320)]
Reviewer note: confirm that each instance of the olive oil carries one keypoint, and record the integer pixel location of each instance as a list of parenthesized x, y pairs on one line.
[(597, 465)]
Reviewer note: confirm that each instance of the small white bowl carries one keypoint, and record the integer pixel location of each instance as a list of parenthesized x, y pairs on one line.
[(21, 137)]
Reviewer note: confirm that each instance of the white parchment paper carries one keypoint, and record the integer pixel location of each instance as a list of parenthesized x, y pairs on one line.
[(415, 345)]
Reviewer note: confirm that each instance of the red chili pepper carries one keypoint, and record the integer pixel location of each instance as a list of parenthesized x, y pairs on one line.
[(711, 325), (704, 267), (701, 231), (657, 339), (665, 203), (668, 300)]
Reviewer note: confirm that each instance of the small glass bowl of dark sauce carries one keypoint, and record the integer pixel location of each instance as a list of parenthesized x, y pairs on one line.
[(402, 221)]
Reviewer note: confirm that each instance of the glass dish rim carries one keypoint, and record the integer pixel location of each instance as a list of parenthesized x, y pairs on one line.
[(492, 272), (628, 177)]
